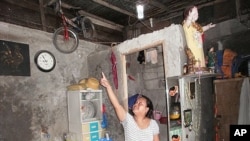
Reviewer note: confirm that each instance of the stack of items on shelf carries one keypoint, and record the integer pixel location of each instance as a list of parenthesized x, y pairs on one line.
[(85, 84), (86, 114)]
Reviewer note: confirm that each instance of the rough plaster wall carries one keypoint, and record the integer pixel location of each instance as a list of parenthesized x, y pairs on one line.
[(100, 62), (154, 87), (170, 64), (38, 102), (225, 28), (173, 44), (134, 69), (29, 103), (149, 81), (173, 41)]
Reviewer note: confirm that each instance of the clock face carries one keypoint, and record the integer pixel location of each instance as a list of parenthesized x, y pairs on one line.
[(87, 110), (45, 61)]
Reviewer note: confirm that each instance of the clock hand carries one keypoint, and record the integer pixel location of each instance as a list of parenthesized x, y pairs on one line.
[(44, 59)]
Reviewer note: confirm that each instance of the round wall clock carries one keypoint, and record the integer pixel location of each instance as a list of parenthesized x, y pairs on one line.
[(45, 61), (87, 110)]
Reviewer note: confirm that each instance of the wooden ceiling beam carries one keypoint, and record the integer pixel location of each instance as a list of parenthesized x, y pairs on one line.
[(50, 2), (101, 2), (102, 22), (179, 11), (28, 5), (42, 15), (95, 19), (158, 4), (24, 4)]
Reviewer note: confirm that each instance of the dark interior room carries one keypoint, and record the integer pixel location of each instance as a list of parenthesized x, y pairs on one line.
[(82, 70)]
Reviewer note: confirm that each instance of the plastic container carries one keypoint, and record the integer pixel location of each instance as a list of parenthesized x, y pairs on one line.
[(163, 120), (157, 115)]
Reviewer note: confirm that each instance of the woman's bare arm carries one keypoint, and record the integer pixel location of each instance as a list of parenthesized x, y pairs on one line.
[(120, 111), (156, 137), (210, 25)]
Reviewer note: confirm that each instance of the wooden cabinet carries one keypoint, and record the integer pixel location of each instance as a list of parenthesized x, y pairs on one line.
[(227, 93), (85, 114), (195, 101)]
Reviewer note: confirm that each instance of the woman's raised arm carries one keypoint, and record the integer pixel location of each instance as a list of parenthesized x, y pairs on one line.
[(120, 111)]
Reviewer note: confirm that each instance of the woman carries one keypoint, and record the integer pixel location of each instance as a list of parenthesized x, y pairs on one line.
[(194, 32), (138, 126)]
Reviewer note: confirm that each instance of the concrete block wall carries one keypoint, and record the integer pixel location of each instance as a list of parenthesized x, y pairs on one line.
[(151, 77), (38, 102), (34, 108)]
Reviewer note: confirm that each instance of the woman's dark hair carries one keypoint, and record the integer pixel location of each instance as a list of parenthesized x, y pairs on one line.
[(149, 105)]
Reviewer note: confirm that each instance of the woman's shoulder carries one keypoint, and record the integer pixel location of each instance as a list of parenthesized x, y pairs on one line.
[(154, 126), (128, 117), (153, 122), (186, 24)]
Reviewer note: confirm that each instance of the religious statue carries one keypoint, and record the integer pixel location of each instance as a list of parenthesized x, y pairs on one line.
[(194, 35)]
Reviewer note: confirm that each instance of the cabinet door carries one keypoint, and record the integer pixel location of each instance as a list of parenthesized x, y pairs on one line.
[(74, 111), (197, 102), (227, 94)]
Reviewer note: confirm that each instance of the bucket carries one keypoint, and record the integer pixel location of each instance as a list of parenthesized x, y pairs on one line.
[(157, 115)]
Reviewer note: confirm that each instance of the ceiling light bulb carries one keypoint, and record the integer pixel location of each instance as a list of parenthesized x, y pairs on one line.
[(140, 11)]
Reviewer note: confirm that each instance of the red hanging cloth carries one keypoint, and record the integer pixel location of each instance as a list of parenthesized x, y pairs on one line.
[(114, 69)]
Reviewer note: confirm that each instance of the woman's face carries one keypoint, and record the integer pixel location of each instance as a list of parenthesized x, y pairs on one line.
[(194, 14), (140, 106)]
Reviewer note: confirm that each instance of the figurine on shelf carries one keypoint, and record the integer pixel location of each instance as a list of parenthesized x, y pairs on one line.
[(194, 33), (211, 59)]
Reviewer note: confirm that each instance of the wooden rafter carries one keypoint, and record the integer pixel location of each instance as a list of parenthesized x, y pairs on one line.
[(95, 19), (42, 15), (102, 22), (115, 8)]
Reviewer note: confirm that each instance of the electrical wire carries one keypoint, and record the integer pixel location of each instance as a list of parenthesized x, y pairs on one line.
[(131, 24), (146, 26)]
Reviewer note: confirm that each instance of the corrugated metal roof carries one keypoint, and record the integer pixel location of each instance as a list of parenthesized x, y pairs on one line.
[(123, 11)]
